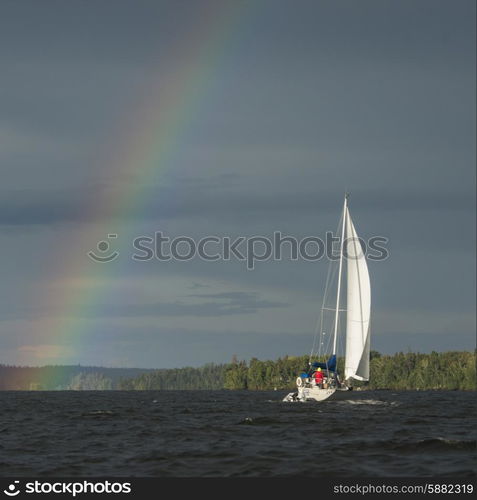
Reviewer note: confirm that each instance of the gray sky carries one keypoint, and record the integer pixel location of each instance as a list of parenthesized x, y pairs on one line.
[(271, 111)]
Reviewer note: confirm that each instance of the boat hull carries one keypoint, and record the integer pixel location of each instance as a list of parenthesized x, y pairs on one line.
[(314, 393), (317, 394)]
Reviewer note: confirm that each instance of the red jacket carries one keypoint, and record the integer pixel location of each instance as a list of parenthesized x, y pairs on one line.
[(319, 377)]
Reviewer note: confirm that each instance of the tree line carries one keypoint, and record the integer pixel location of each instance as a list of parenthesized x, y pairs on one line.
[(453, 370), (414, 371), (209, 377), (69, 377)]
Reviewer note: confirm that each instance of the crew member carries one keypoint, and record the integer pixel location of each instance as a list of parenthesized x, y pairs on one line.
[(319, 378)]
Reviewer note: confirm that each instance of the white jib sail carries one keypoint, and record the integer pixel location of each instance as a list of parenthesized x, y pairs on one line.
[(358, 307)]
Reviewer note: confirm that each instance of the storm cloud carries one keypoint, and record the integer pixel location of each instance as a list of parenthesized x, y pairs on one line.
[(288, 106)]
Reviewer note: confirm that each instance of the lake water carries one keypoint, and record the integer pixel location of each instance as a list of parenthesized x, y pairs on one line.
[(236, 434)]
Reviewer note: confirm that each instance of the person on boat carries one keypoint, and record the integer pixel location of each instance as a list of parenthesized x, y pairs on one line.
[(319, 378)]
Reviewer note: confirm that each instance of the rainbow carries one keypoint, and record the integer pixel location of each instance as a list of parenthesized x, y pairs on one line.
[(143, 149)]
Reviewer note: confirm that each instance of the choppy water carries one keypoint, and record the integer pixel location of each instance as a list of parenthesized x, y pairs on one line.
[(222, 433)]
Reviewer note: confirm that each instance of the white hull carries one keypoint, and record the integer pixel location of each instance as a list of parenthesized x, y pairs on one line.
[(317, 394), (314, 393)]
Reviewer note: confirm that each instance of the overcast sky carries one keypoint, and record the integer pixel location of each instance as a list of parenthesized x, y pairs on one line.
[(231, 118)]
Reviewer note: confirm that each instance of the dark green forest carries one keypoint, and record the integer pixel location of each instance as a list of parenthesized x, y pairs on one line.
[(453, 370), (402, 371)]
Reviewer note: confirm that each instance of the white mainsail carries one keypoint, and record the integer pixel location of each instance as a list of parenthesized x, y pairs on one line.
[(358, 307)]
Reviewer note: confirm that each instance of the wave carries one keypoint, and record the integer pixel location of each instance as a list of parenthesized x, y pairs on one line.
[(439, 444), (99, 414), (258, 421), (376, 402)]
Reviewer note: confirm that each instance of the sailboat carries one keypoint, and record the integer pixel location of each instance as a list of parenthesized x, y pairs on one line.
[(357, 335)]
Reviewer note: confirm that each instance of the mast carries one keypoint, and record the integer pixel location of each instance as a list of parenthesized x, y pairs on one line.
[(335, 335)]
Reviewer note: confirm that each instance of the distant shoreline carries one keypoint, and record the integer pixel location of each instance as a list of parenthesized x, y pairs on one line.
[(364, 389), (451, 370)]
